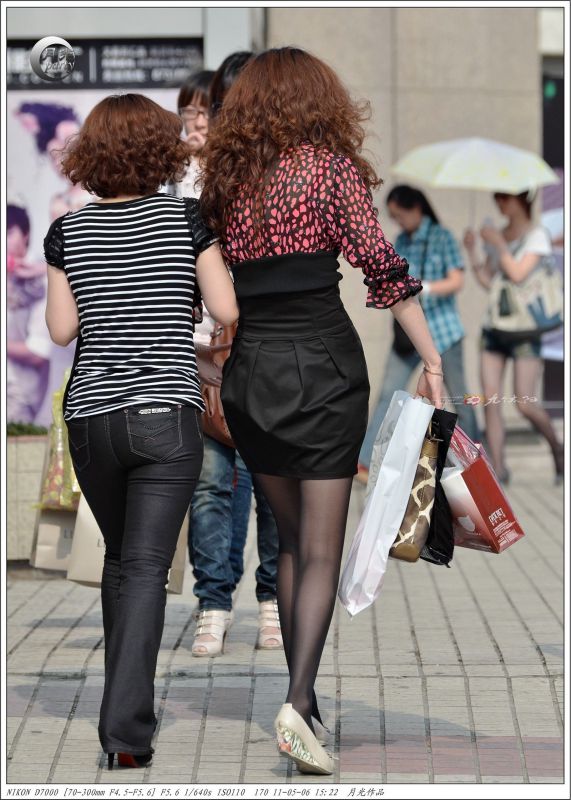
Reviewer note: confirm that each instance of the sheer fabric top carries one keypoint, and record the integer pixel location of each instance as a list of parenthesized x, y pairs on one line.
[(315, 202)]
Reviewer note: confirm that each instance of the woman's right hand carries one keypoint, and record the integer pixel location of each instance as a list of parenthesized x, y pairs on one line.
[(430, 386), (196, 141)]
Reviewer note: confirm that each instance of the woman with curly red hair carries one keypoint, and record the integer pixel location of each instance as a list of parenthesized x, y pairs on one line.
[(124, 275), (287, 189)]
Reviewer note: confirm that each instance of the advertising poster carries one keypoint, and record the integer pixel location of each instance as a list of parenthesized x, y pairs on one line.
[(41, 116)]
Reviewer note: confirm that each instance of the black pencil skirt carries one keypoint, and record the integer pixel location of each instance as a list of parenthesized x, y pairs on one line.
[(295, 388)]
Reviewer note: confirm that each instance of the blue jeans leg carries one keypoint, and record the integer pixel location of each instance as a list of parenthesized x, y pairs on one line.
[(453, 367), (398, 370), (211, 527), (241, 506), (266, 574)]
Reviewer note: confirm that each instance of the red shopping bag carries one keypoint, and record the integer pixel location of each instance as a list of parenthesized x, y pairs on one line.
[(482, 516)]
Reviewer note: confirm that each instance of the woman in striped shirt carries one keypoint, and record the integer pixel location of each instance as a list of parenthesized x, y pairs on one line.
[(126, 274)]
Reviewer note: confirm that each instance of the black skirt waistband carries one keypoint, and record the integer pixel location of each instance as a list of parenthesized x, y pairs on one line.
[(285, 274), (292, 315)]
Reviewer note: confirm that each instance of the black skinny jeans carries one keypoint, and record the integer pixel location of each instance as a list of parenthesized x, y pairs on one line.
[(137, 469)]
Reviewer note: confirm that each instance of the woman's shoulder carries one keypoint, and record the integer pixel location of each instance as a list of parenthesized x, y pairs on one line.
[(442, 232), (202, 235), (316, 154), (537, 240), (54, 242)]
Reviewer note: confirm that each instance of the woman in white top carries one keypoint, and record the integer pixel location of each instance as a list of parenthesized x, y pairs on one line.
[(516, 250), (195, 114)]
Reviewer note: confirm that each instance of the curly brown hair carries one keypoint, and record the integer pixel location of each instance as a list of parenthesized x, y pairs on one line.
[(127, 145), (281, 98)]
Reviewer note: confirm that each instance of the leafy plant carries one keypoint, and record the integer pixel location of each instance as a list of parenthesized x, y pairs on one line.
[(25, 429)]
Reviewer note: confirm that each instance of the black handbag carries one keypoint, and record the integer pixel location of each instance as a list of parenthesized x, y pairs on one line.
[(401, 343), (439, 547)]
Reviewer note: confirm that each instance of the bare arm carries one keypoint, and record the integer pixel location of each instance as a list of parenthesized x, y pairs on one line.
[(483, 271), (410, 316), (216, 286), (62, 317), (517, 270), (451, 284)]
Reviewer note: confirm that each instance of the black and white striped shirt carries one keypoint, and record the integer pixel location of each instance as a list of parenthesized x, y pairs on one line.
[(131, 268)]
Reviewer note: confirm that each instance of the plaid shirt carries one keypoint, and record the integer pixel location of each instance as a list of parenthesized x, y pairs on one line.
[(442, 255)]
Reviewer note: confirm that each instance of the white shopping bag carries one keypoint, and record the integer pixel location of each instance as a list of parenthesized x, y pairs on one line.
[(393, 467)]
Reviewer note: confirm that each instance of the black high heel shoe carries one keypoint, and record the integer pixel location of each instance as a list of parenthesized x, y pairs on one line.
[(137, 760)]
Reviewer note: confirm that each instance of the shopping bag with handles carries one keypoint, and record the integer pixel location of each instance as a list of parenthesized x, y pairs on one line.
[(391, 475), (482, 516), (85, 563)]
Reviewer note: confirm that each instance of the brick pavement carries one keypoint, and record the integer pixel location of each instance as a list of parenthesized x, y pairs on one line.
[(454, 676)]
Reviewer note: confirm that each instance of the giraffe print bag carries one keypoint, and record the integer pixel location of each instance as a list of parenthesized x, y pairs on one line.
[(415, 526)]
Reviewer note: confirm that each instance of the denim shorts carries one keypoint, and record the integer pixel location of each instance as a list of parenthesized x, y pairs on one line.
[(527, 348)]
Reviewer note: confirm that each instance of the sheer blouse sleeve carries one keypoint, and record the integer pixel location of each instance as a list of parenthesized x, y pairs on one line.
[(358, 234), (202, 238), (54, 244)]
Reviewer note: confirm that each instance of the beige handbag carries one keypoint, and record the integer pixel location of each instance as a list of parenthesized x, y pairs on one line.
[(85, 563), (52, 543), (524, 310), (413, 532)]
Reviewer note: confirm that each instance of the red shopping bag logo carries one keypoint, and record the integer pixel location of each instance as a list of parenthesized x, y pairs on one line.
[(483, 518)]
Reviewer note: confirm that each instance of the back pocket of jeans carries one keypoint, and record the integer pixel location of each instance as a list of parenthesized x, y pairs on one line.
[(154, 434), (78, 437)]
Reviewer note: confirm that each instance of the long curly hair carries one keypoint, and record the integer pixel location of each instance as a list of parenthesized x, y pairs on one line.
[(127, 145), (281, 98)]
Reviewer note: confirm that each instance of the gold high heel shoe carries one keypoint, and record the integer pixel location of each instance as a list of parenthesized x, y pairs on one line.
[(296, 740)]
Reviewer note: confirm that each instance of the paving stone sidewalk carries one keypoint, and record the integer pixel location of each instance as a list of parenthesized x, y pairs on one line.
[(454, 676)]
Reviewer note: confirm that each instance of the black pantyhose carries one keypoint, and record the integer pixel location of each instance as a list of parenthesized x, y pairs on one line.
[(311, 516)]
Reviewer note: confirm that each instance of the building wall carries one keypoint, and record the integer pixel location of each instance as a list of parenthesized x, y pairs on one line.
[(431, 74)]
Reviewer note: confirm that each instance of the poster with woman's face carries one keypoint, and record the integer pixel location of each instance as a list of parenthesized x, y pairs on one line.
[(39, 123)]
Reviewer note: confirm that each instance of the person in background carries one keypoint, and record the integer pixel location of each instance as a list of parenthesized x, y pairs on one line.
[(222, 501), (195, 113), (434, 256), (132, 404), (515, 250), (52, 126), (27, 343), (553, 342)]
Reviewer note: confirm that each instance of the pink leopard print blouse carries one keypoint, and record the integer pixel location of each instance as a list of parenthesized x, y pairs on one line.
[(317, 202)]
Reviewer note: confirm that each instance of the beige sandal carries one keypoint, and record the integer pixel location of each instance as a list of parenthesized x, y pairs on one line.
[(296, 741), (211, 628), (269, 628)]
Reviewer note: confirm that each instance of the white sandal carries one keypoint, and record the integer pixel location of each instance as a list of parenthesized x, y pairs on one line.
[(269, 620), (215, 623)]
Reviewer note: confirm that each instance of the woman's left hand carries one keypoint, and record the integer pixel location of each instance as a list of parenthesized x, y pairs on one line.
[(430, 386), (492, 236)]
